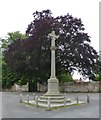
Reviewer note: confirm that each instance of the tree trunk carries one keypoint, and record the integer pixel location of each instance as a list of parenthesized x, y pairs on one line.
[(32, 85)]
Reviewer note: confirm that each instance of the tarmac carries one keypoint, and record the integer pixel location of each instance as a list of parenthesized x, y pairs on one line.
[(12, 108)]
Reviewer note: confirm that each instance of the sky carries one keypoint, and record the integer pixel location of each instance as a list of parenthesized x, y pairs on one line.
[(15, 15)]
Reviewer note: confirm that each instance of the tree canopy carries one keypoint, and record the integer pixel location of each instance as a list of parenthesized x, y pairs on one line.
[(30, 57), (9, 77), (10, 38)]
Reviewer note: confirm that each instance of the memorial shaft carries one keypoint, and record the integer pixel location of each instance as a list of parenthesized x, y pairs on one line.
[(53, 62), (53, 83)]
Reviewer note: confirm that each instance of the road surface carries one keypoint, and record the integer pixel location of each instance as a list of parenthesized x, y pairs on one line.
[(12, 108)]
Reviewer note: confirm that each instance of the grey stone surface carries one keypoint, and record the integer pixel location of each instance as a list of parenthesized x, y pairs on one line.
[(12, 108)]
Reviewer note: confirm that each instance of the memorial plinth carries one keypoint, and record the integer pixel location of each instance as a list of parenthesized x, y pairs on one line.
[(53, 87)]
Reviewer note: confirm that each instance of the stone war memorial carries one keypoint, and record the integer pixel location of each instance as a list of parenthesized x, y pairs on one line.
[(52, 98)]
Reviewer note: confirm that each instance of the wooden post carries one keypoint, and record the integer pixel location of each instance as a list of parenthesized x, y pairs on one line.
[(33, 96), (64, 100), (77, 99), (88, 98), (65, 94), (28, 99), (20, 98), (48, 103), (36, 101)]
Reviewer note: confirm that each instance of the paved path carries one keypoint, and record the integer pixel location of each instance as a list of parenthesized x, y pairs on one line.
[(11, 108)]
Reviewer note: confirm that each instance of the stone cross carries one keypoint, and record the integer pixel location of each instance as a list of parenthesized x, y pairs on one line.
[(53, 38)]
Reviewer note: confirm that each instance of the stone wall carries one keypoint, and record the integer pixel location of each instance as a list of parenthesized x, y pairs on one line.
[(75, 87), (16, 87), (42, 87), (64, 87)]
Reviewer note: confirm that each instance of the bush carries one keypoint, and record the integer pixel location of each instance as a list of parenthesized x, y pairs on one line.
[(8, 77), (98, 76), (65, 77)]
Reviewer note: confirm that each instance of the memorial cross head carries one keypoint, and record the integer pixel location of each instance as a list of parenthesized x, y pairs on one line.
[(53, 37)]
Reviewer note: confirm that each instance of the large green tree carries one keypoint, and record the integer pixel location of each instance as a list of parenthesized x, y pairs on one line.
[(31, 57), (10, 38), (9, 77)]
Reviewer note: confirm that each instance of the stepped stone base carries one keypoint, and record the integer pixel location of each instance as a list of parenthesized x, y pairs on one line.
[(52, 105), (54, 99), (53, 93)]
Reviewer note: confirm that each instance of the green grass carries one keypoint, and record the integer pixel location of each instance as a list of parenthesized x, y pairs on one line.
[(67, 106)]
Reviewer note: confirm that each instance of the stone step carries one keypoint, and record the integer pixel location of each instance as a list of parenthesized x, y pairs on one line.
[(52, 97), (53, 94), (53, 101)]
